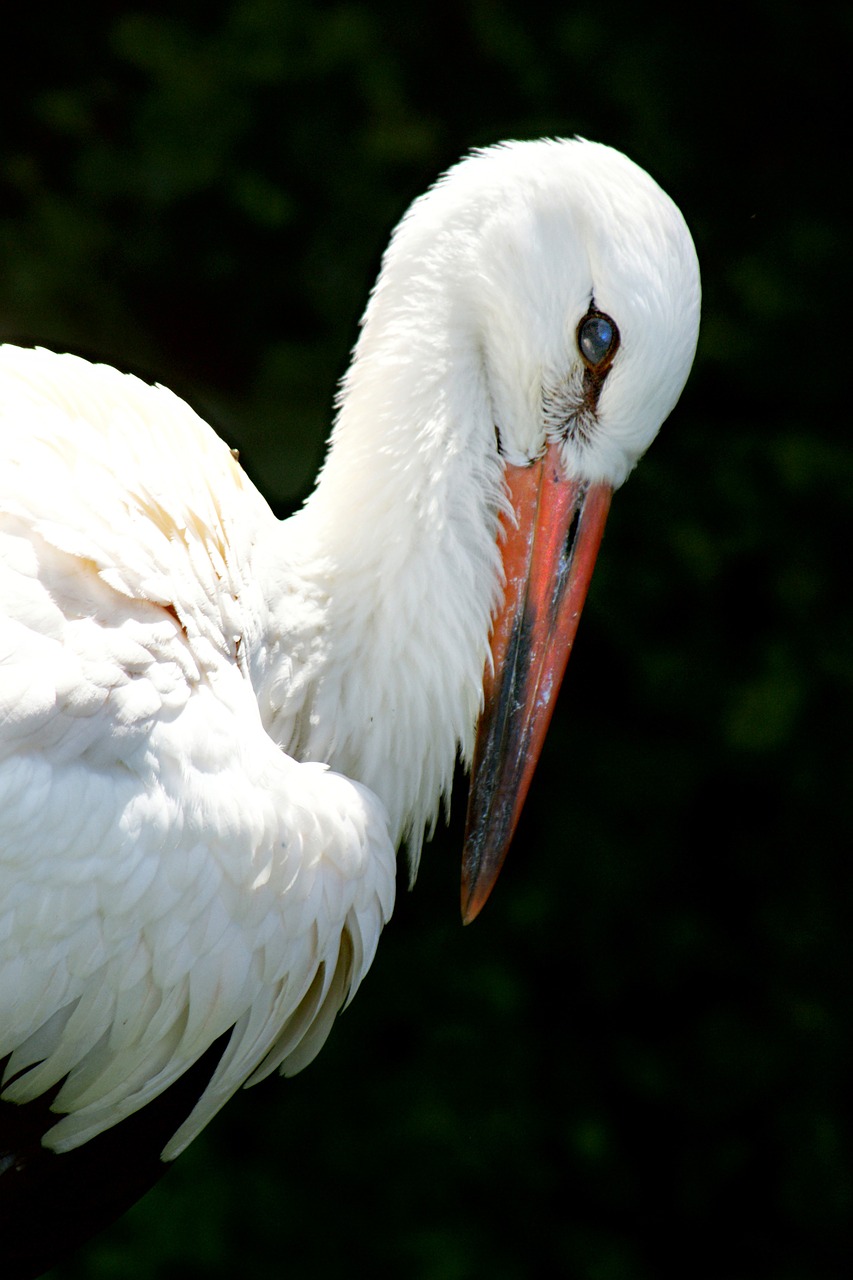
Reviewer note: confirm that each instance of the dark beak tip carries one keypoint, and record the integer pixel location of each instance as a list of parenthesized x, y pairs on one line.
[(481, 866), (471, 906)]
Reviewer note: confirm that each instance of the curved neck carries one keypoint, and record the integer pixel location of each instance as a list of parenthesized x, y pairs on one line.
[(395, 569)]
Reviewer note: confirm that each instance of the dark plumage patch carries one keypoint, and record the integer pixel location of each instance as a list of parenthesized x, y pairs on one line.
[(51, 1204)]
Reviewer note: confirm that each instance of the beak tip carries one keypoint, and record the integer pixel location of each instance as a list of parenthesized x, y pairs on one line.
[(475, 894), (469, 911)]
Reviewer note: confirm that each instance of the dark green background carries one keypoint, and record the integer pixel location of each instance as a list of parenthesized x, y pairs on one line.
[(637, 1063)]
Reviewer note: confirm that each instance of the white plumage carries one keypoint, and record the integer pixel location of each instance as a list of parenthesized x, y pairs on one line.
[(178, 668), (168, 872)]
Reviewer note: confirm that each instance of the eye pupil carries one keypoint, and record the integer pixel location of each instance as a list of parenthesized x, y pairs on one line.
[(598, 339)]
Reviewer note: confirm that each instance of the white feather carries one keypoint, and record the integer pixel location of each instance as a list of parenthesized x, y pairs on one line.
[(178, 670)]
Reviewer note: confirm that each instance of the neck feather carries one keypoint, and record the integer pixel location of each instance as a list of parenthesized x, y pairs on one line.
[(395, 567)]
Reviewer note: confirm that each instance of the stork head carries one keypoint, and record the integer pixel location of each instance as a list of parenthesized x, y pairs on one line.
[(583, 283), (533, 324)]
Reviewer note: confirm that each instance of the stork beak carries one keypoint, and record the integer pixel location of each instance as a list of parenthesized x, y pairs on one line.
[(549, 552)]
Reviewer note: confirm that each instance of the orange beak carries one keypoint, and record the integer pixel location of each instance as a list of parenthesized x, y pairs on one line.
[(549, 553)]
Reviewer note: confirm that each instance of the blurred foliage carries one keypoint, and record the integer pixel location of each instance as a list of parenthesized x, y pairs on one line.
[(636, 1063)]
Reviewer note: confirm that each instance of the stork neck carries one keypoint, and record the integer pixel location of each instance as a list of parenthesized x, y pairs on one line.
[(397, 551)]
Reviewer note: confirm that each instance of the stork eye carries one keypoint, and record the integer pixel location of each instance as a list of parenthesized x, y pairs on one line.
[(598, 340)]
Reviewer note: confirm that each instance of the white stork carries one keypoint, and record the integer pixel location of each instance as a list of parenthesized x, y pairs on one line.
[(216, 728)]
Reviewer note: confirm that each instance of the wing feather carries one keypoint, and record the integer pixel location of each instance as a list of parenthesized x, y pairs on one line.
[(167, 873)]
